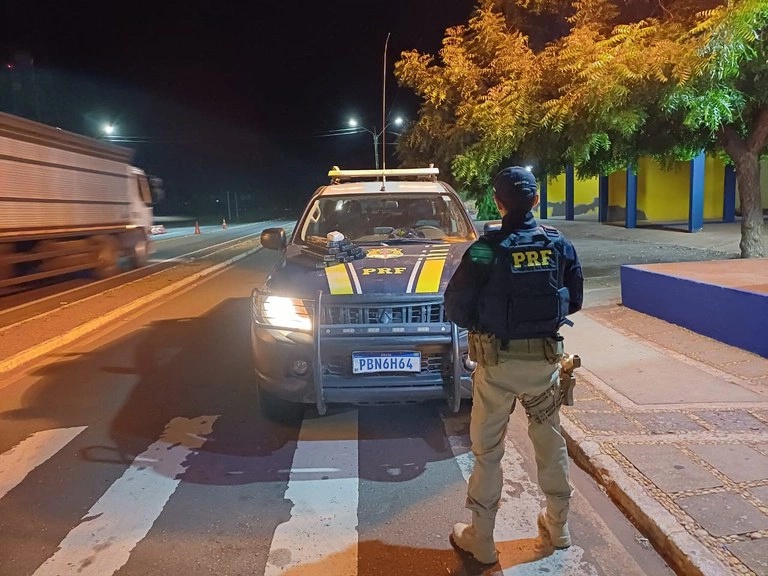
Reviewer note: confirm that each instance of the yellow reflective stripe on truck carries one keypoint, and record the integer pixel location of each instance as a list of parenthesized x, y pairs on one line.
[(431, 273), (338, 279)]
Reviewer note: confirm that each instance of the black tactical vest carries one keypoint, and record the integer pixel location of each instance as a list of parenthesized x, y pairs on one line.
[(524, 296)]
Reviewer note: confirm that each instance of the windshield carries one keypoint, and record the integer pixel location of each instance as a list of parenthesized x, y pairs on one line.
[(377, 218)]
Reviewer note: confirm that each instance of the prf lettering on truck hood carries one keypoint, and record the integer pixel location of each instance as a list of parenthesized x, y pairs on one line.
[(403, 269)]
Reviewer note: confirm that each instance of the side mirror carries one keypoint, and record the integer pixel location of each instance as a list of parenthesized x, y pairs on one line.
[(274, 239), (492, 226)]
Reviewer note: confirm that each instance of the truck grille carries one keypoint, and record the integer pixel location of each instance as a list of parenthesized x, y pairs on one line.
[(377, 315), (342, 365)]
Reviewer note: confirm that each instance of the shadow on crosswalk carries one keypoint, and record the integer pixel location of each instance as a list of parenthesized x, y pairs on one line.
[(377, 558)]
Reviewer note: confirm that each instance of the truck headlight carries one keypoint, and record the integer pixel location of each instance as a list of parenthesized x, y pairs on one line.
[(285, 312)]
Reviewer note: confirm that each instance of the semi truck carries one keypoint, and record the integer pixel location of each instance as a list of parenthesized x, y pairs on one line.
[(68, 203)]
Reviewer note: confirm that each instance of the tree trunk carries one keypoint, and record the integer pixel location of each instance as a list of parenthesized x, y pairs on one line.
[(745, 154), (748, 178)]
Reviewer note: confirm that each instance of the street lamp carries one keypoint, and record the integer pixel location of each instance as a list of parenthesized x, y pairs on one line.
[(108, 129), (353, 123)]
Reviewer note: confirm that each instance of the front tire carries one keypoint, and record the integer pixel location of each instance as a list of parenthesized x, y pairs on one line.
[(140, 253), (278, 410), (106, 256)]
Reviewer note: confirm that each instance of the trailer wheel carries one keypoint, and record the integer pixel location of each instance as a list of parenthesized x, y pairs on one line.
[(139, 254), (106, 254)]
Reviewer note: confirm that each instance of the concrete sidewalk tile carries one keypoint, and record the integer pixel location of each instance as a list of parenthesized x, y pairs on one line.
[(724, 513), (695, 557), (605, 422), (740, 463), (685, 342), (733, 420), (668, 467), (723, 355), (754, 553), (645, 375), (753, 368), (665, 422), (583, 392), (652, 516), (686, 553), (761, 493), (640, 323), (592, 404)]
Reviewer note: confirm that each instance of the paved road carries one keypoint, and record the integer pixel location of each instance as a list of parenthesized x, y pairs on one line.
[(139, 450), (177, 248)]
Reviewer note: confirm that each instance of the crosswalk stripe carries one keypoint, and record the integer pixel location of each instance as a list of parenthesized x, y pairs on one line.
[(321, 535), (101, 544), (516, 518), (28, 454)]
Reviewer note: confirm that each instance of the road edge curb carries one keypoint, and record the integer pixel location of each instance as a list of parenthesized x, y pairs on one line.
[(681, 550), (30, 354)]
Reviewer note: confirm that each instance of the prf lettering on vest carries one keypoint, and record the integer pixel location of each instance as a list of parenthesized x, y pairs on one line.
[(532, 259), (378, 271)]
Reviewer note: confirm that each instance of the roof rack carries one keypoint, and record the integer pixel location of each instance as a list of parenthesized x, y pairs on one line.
[(336, 174)]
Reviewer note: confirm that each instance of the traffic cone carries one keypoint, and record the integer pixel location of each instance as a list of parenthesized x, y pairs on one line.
[(197, 228), (223, 223)]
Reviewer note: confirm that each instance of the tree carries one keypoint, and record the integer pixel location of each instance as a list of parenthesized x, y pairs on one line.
[(474, 110), (626, 79)]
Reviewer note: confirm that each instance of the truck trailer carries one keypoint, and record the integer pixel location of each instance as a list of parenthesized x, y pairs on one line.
[(68, 203)]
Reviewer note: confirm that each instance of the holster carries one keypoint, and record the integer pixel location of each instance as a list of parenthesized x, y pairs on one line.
[(567, 380), (483, 348)]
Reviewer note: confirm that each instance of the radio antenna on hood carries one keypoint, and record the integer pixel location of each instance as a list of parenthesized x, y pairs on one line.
[(384, 121)]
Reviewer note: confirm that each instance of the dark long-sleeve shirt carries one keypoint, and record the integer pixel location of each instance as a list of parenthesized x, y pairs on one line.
[(466, 285)]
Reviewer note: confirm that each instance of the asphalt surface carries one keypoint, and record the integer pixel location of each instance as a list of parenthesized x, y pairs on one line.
[(140, 450)]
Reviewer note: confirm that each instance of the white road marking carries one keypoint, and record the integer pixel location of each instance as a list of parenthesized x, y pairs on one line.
[(101, 544), (516, 519), (28, 454), (321, 536)]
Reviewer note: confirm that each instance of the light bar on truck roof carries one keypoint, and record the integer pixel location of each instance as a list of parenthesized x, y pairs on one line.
[(338, 174)]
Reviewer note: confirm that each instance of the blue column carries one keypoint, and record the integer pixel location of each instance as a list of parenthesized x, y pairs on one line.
[(602, 198), (696, 195), (631, 211), (729, 194), (543, 197), (569, 185)]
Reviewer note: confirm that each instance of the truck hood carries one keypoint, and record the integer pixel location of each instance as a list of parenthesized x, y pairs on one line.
[(411, 268)]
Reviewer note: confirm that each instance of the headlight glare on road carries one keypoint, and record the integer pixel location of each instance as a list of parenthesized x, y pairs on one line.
[(287, 313)]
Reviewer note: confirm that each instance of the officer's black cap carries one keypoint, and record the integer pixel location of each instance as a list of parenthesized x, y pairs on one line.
[(514, 186)]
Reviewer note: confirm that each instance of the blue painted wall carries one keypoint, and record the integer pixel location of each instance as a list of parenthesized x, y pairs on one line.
[(733, 316)]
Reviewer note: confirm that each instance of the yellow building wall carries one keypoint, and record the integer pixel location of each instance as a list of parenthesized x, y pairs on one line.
[(662, 195), (585, 197)]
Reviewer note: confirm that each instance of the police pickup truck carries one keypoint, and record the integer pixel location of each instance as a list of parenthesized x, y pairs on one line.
[(353, 311)]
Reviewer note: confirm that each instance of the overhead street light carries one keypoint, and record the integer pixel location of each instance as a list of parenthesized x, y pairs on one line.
[(353, 123)]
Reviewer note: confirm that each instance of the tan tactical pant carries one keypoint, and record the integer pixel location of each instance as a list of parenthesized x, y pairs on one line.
[(527, 369)]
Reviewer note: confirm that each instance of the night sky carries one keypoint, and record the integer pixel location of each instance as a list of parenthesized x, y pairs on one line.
[(219, 95)]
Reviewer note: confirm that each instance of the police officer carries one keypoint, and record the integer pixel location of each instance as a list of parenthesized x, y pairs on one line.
[(513, 290)]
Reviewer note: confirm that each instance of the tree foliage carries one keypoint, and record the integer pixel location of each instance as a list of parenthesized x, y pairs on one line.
[(610, 81)]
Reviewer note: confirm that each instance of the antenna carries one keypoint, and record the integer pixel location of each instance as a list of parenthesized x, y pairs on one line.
[(384, 121)]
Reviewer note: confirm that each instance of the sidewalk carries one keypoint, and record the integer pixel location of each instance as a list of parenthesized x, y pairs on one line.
[(674, 425)]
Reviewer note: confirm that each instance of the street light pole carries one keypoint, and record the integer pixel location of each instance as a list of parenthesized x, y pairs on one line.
[(353, 124), (376, 150)]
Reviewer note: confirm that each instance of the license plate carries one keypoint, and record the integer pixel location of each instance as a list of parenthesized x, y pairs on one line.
[(368, 362)]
